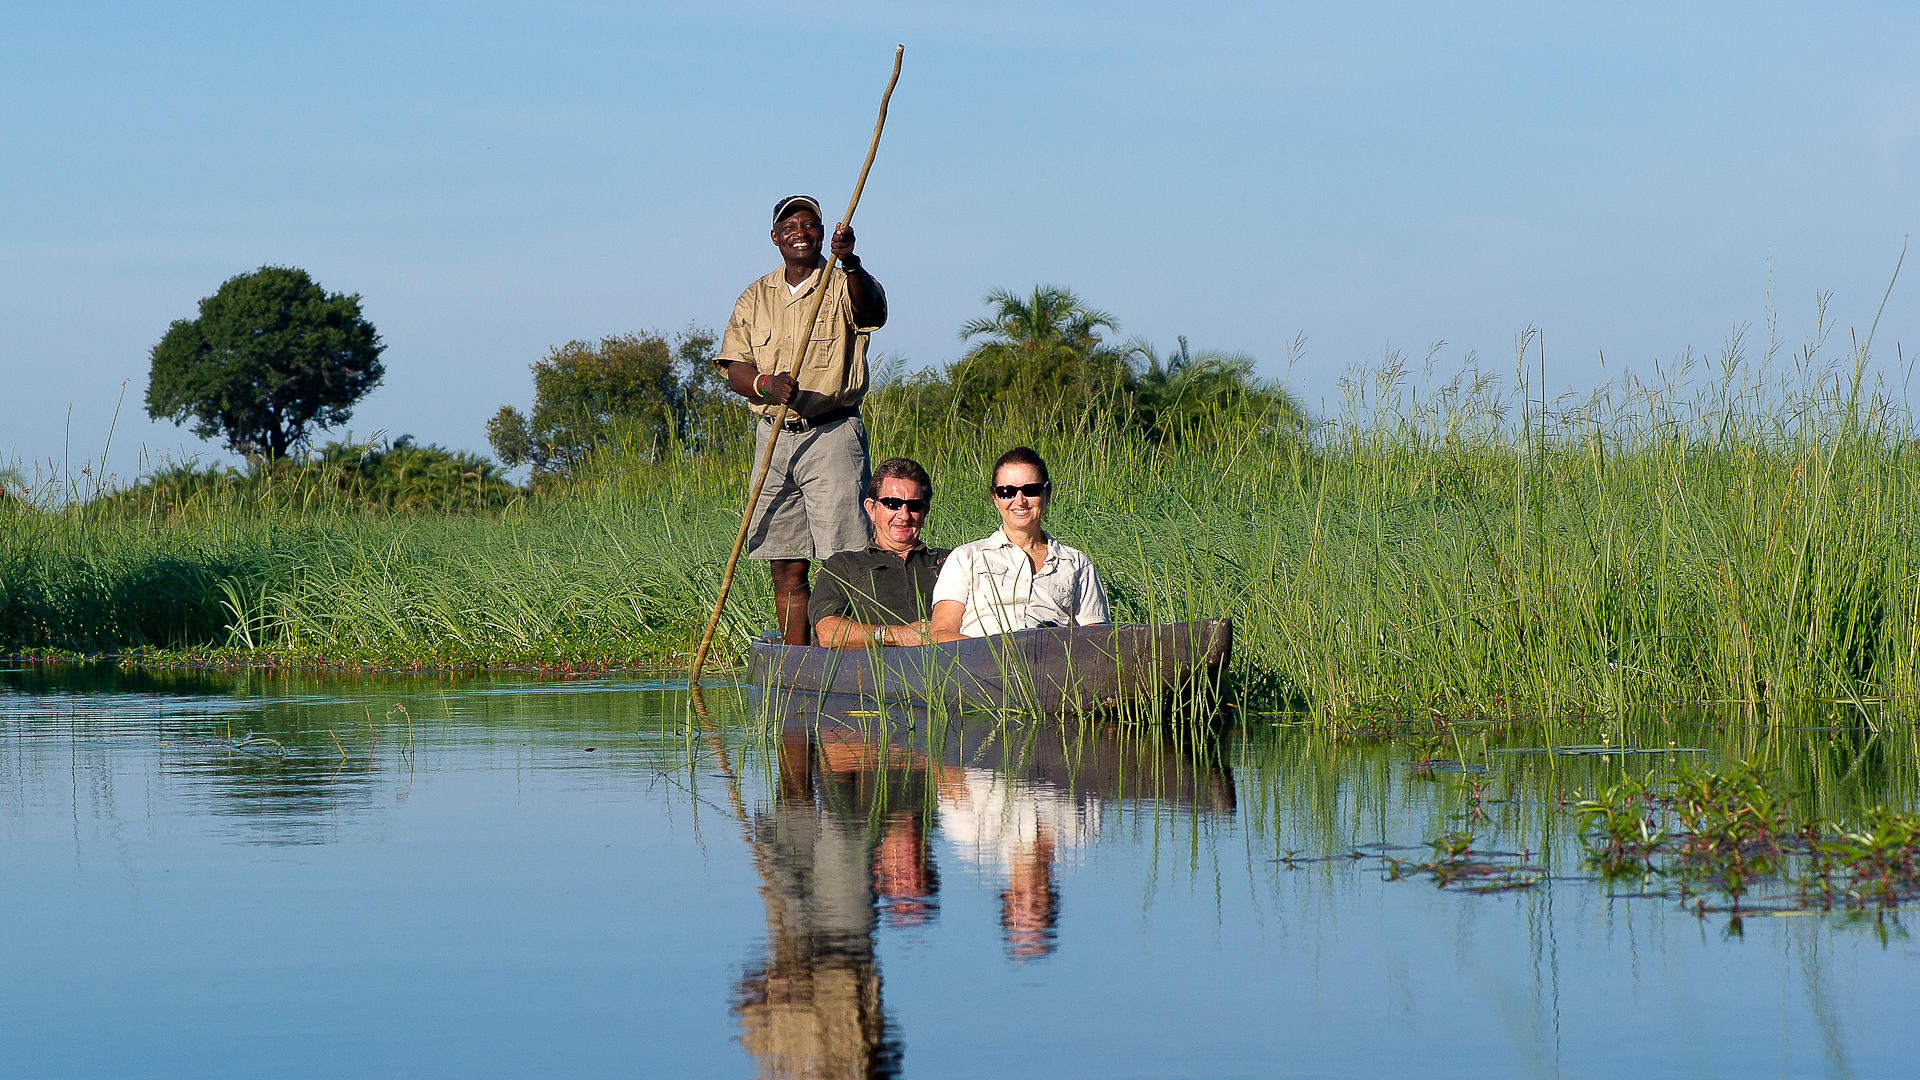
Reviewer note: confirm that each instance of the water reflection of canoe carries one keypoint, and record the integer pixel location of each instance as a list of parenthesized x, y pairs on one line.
[(1052, 670)]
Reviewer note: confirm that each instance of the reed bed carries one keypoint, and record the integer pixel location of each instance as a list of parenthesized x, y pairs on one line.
[(588, 582), (1741, 533)]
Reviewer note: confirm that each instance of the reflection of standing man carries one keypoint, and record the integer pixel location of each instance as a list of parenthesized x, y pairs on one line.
[(813, 1005), (810, 506)]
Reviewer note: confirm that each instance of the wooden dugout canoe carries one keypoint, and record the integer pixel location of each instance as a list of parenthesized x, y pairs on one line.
[(1050, 671)]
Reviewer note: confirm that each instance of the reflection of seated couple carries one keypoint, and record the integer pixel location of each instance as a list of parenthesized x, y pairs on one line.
[(1000, 823), (848, 835), (898, 591)]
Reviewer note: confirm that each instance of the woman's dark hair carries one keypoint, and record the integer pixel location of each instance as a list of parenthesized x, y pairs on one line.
[(899, 468), (1021, 455)]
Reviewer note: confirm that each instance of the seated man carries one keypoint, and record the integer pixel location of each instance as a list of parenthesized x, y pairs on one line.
[(882, 594)]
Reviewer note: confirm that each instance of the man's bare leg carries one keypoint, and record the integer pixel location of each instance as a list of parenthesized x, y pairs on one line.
[(790, 596)]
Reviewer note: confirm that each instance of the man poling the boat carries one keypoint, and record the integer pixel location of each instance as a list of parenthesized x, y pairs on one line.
[(1020, 577), (753, 345), (883, 593), (809, 505)]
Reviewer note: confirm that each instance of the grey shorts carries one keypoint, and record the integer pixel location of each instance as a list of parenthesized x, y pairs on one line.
[(810, 506)]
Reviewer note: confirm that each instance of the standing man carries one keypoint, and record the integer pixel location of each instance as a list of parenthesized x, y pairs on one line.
[(883, 594), (810, 505)]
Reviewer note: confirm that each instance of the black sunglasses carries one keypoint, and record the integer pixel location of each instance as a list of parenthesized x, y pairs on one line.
[(913, 506), (1031, 491)]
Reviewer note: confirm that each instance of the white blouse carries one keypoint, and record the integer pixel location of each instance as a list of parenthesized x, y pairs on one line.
[(996, 581)]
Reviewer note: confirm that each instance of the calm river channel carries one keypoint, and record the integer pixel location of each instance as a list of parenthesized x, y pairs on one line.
[(213, 874)]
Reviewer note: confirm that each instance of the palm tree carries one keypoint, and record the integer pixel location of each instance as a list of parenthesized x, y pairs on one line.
[(1045, 324), (1043, 350)]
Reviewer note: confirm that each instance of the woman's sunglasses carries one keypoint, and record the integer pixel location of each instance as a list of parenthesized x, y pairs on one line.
[(1031, 491), (912, 506)]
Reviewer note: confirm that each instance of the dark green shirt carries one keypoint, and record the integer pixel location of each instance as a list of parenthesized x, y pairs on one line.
[(877, 586)]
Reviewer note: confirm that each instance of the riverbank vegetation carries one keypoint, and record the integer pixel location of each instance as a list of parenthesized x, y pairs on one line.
[(1436, 547)]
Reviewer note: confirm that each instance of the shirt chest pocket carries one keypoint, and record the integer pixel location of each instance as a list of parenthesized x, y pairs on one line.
[(1000, 585), (766, 352), (1051, 600), (826, 327)]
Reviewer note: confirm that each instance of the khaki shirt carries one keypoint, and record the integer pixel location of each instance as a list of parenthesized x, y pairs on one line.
[(765, 332)]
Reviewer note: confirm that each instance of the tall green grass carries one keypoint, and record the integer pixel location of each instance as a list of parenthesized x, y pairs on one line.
[(586, 580), (1743, 533)]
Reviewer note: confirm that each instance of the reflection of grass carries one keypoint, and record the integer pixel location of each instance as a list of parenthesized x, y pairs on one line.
[(1734, 840), (1724, 816), (1456, 863), (1599, 798)]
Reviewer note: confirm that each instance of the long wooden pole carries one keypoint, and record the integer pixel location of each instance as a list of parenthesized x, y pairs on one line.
[(780, 418)]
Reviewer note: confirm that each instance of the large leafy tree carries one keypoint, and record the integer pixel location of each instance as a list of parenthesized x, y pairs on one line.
[(270, 355), (1043, 350), (647, 389)]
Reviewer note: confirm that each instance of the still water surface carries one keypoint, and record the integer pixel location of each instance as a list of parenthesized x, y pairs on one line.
[(210, 874)]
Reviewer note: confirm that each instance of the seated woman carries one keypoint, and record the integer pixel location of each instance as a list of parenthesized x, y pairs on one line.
[(1019, 577)]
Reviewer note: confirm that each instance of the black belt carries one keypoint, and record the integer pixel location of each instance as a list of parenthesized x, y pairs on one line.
[(797, 424)]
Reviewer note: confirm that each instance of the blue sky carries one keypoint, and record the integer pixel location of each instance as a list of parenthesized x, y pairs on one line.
[(493, 180)]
